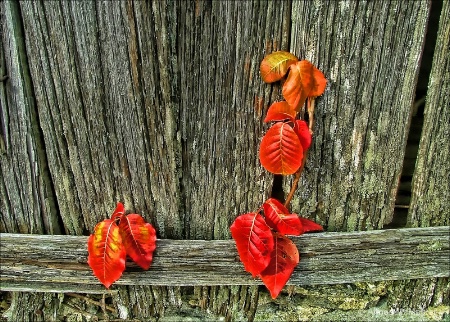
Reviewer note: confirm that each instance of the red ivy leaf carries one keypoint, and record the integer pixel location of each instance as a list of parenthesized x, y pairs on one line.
[(119, 211), (279, 218), (106, 252), (309, 225), (139, 239), (284, 259), (280, 111), (302, 130), (275, 65), (254, 241), (280, 151)]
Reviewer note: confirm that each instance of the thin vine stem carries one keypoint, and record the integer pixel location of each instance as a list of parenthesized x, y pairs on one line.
[(310, 106), (294, 186)]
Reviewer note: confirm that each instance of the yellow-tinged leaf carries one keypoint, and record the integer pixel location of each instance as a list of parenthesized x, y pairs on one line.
[(275, 65)]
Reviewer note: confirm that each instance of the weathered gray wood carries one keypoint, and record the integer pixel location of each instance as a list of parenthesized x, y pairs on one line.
[(171, 99), (27, 202), (370, 53), (157, 104), (106, 109), (129, 98), (222, 101), (430, 193), (58, 263)]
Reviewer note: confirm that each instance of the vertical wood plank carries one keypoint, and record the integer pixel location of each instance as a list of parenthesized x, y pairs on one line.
[(431, 181), (223, 99), (109, 125), (27, 202), (430, 192), (370, 54)]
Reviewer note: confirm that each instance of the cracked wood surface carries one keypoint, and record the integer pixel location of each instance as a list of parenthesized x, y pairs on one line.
[(59, 263)]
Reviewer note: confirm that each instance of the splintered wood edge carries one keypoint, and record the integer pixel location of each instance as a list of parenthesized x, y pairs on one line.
[(58, 263)]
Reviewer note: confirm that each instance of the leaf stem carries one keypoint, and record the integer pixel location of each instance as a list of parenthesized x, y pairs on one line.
[(296, 180), (310, 106)]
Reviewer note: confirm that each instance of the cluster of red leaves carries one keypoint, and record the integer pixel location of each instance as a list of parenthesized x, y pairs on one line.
[(114, 239), (263, 247), (260, 236), (282, 147)]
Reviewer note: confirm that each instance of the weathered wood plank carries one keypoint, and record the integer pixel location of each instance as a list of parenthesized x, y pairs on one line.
[(103, 84), (58, 263), (222, 99), (27, 203), (370, 52), (430, 191), (431, 181), (156, 104)]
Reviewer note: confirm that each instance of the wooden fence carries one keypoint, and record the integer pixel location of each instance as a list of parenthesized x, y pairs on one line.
[(160, 105)]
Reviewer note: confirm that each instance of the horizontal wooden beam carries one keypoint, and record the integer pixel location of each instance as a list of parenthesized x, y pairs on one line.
[(49, 263)]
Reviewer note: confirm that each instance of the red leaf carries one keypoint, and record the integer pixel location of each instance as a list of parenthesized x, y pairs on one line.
[(309, 225), (280, 111), (254, 241), (275, 65), (302, 130), (298, 84), (285, 258), (119, 211), (279, 218), (106, 252), (280, 151), (139, 239)]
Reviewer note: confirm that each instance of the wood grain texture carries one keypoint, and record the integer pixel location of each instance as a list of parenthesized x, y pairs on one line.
[(136, 104), (58, 263), (370, 53), (27, 202), (106, 109), (222, 98), (156, 104), (159, 105), (431, 181)]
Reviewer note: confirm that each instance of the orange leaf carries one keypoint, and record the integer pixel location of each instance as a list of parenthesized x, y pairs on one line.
[(280, 111), (299, 84), (319, 83), (302, 130), (280, 151), (275, 65), (139, 239), (254, 241), (279, 218), (106, 252), (284, 259)]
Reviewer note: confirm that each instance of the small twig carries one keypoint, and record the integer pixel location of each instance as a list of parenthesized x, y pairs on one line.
[(3, 78), (310, 106), (103, 306), (296, 180), (89, 300)]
